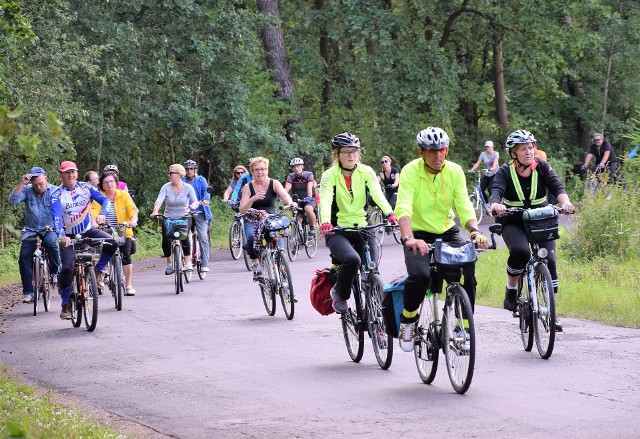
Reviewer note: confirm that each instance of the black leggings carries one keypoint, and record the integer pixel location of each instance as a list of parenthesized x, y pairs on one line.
[(346, 248)]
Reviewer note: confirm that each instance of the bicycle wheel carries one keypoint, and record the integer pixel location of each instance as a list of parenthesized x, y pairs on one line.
[(376, 218), (524, 312), (90, 306), (36, 280), (267, 289), (382, 343), (312, 241), (245, 253), (76, 300), (186, 273), (544, 321), (285, 288), (396, 234), (46, 286), (177, 268), (197, 258), (476, 201), (293, 241), (352, 327), (459, 339), (235, 240), (117, 279), (427, 349)]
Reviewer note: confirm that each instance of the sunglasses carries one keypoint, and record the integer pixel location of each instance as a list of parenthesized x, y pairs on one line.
[(239, 172), (597, 140), (384, 161), (172, 172)]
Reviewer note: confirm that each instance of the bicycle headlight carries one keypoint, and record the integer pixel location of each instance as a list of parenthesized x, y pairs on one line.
[(273, 234), (371, 265), (176, 234), (542, 252), (38, 252)]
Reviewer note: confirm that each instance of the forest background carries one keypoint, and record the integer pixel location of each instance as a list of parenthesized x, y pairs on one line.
[(146, 83)]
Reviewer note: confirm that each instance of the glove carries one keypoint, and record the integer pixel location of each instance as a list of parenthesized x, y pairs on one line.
[(307, 199), (326, 227), (388, 186), (601, 165), (583, 167), (478, 238), (392, 218)]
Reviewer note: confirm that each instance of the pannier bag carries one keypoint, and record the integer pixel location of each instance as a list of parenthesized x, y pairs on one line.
[(393, 304), (175, 228), (541, 224), (320, 292)]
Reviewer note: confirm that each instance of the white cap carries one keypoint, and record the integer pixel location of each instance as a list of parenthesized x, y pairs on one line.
[(488, 143)]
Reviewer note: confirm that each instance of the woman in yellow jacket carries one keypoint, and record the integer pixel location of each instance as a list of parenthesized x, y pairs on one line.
[(121, 209), (343, 200)]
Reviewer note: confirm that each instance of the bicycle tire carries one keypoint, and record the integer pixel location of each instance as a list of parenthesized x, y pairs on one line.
[(118, 280), (352, 327), (311, 246), (460, 360), (382, 342), (197, 258), (76, 300), (187, 274), (36, 273), (46, 290), (293, 242), (235, 240), (285, 286), (245, 253), (397, 235), (427, 348), (544, 320), (376, 218), (177, 268), (477, 204), (90, 305), (525, 315), (267, 289)]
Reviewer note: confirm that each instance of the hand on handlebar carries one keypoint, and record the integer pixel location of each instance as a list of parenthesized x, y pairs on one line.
[(326, 228), (392, 218), (417, 245), (101, 219), (479, 240), (568, 207), (308, 199), (65, 241), (498, 208)]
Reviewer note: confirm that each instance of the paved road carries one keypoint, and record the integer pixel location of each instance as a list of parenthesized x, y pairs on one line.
[(211, 363)]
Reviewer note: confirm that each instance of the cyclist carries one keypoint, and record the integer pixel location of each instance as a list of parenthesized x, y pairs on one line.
[(303, 184), (120, 208), (489, 161), (121, 185), (71, 211), (92, 178), (431, 187), (180, 199), (344, 187), (389, 177), (238, 172), (260, 194), (605, 157), (523, 182), (203, 219), (244, 179), (35, 191)]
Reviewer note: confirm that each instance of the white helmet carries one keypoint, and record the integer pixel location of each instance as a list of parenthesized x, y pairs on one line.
[(432, 138), (518, 137), (296, 161), (113, 168)]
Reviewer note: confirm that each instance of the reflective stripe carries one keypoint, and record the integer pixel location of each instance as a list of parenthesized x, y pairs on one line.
[(534, 190), (409, 314)]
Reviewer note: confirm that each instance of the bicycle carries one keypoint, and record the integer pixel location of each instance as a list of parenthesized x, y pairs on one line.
[(454, 333), (237, 238), (84, 287), (375, 216), (276, 278), (367, 287), (478, 199), (196, 252), (536, 308), (41, 279), (114, 278), (301, 236), (592, 183), (177, 230)]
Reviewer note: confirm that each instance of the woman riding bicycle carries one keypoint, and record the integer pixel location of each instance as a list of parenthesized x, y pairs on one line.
[(343, 195), (120, 209), (238, 172), (260, 194), (181, 198), (389, 177), (523, 182)]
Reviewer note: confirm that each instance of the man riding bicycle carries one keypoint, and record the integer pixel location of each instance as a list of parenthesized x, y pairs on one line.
[(203, 219), (605, 157), (35, 191), (71, 211), (303, 184), (430, 188)]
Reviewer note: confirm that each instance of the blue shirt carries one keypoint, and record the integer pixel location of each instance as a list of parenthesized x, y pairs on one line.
[(71, 208), (200, 185), (37, 214), (244, 179)]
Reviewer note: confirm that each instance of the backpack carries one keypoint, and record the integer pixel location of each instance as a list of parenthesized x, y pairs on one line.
[(320, 292)]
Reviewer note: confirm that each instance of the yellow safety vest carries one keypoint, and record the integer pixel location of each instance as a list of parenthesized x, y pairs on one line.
[(534, 190)]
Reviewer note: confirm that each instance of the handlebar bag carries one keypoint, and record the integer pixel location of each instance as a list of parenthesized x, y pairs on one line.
[(175, 228), (276, 222), (541, 224), (450, 260)]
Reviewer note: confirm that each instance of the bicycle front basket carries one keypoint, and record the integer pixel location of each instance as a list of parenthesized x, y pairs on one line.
[(541, 224), (175, 228)]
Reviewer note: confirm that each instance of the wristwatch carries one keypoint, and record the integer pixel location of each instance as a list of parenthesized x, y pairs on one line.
[(405, 239)]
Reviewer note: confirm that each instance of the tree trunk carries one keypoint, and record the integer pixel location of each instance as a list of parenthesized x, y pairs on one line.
[(607, 80), (501, 104), (329, 52)]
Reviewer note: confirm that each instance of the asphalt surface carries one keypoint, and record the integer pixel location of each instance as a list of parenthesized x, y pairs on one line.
[(210, 363)]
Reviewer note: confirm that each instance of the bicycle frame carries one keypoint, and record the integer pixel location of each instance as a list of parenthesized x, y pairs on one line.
[(40, 274)]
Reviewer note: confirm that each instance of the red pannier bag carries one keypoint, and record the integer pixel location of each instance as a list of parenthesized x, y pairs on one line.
[(320, 292)]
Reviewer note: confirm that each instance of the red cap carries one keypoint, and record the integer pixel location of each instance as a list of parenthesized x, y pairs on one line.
[(68, 166)]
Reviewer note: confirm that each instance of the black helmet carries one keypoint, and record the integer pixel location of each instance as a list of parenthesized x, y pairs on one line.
[(249, 162), (345, 139)]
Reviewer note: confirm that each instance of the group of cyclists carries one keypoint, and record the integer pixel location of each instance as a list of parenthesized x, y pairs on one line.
[(422, 199)]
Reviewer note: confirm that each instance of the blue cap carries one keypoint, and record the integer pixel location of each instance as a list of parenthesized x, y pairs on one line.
[(36, 171)]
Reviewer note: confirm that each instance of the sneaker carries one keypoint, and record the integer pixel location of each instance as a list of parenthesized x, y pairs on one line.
[(27, 298), (558, 325), (54, 280), (257, 271), (66, 312), (204, 269), (168, 270), (100, 280), (188, 267), (406, 336), (339, 304), (461, 338), (510, 299), (130, 291)]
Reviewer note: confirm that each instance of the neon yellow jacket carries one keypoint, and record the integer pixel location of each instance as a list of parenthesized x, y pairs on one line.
[(429, 199), (125, 209), (339, 207)]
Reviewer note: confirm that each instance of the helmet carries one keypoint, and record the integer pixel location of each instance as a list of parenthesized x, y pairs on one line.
[(345, 139), (432, 138), (190, 164), (113, 168), (296, 161), (249, 162), (517, 137)]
